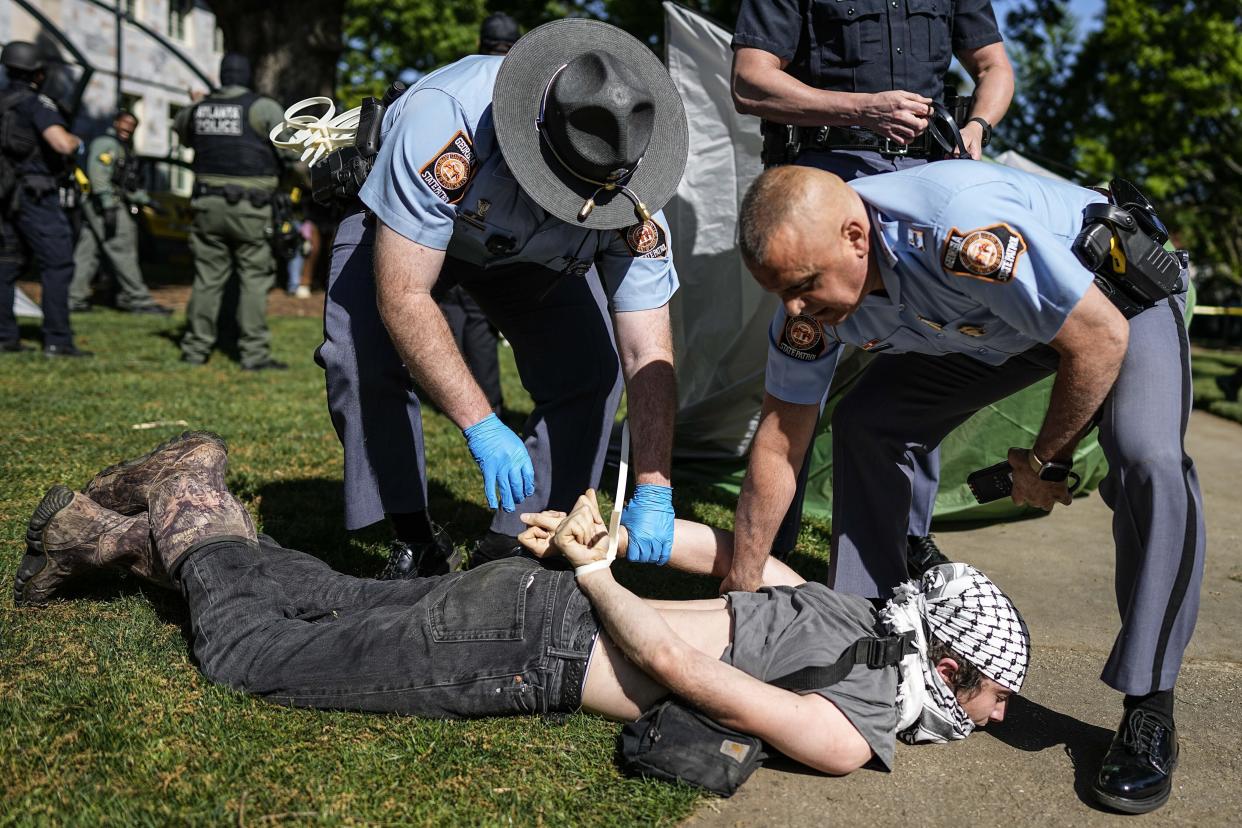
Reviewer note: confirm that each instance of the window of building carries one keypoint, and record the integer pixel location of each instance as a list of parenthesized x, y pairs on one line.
[(133, 9), (133, 103), (217, 40), (179, 20)]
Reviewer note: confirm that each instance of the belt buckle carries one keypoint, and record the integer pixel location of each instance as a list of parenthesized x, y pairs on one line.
[(890, 149)]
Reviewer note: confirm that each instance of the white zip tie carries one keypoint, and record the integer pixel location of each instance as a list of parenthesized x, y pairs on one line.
[(618, 503), (316, 136)]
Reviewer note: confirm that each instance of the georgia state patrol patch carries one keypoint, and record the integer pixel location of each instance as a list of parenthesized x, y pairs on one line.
[(802, 338), (989, 253), (645, 240), (448, 173)]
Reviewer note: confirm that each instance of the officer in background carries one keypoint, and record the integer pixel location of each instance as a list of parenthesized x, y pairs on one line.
[(513, 177), (109, 228), (236, 172), (475, 336), (849, 87), (35, 144)]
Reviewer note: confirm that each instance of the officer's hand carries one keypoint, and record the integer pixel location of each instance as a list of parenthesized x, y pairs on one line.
[(739, 582), (109, 222), (139, 198), (898, 115), (1029, 490), (649, 519), (972, 136), (504, 461)]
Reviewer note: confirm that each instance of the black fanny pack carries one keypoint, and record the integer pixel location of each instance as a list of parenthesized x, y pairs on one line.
[(676, 743), (1122, 244)]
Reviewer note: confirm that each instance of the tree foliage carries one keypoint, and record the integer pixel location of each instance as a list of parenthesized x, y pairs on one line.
[(292, 44), (1155, 95)]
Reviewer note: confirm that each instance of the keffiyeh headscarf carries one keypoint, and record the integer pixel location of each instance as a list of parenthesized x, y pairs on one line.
[(959, 606)]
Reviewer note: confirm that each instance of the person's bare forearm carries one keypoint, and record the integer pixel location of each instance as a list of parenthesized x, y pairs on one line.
[(780, 97), (700, 549), (771, 480), (635, 626), (993, 76), (1081, 385), (404, 275), (645, 345)]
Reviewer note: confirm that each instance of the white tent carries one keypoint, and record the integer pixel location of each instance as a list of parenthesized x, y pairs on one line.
[(720, 316)]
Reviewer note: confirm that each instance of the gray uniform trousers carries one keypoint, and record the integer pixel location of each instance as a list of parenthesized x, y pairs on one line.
[(851, 164), (912, 401), (563, 348), (120, 251)]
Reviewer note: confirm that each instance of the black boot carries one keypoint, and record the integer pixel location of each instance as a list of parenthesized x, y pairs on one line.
[(495, 547), (922, 554), (421, 560), (1137, 773)]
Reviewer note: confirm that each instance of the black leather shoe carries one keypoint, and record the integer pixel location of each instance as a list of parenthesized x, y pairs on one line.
[(922, 554), (14, 347), (1137, 773), (268, 364), (421, 560), (495, 547), (152, 310), (65, 351)]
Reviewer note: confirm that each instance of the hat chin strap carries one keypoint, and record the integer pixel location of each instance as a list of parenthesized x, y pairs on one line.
[(640, 209)]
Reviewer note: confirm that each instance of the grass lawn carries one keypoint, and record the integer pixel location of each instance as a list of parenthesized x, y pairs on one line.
[(103, 717)]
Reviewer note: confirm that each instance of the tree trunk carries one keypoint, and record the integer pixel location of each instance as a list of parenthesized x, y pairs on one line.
[(293, 45)]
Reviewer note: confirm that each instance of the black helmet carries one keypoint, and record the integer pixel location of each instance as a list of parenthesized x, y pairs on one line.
[(20, 55)]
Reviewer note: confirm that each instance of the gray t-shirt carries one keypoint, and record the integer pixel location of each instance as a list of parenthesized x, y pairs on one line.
[(778, 630)]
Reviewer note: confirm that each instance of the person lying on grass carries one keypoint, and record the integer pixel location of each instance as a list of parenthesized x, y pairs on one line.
[(513, 637)]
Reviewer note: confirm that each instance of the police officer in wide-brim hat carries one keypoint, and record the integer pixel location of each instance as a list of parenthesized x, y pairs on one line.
[(514, 177)]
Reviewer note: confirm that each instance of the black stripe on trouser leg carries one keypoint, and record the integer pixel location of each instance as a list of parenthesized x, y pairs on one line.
[(1177, 595)]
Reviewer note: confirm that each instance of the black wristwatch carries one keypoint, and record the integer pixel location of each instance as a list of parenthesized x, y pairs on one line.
[(1054, 471), (987, 129)]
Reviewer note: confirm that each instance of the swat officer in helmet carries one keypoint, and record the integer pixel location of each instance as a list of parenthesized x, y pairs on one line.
[(851, 86), (34, 141), (236, 172), (108, 226)]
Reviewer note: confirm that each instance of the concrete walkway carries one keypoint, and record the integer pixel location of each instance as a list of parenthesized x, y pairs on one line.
[(1036, 768)]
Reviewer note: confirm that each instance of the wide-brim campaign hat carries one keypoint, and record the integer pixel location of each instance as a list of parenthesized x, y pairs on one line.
[(575, 96)]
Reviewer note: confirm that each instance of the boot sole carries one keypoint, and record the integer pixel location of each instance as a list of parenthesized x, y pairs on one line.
[(35, 559), (1132, 806), (164, 446)]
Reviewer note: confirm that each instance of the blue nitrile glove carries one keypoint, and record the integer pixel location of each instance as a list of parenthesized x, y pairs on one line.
[(648, 518), (504, 461)]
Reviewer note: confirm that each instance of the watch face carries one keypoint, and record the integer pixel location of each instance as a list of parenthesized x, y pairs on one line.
[(1054, 472)]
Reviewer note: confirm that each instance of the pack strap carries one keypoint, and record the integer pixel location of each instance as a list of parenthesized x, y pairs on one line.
[(874, 651)]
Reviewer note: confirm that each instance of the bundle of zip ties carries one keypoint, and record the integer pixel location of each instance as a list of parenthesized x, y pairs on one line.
[(315, 136)]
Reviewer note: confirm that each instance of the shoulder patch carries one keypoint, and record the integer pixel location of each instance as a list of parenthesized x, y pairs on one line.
[(646, 240), (803, 338), (448, 173), (48, 103), (989, 253)]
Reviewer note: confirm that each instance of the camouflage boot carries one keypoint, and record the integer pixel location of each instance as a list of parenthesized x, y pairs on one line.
[(69, 534), (123, 488), (187, 511)]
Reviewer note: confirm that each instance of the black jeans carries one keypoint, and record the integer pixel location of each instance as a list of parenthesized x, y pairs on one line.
[(504, 639)]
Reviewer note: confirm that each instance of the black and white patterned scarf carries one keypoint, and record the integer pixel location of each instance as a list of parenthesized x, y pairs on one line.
[(959, 606)]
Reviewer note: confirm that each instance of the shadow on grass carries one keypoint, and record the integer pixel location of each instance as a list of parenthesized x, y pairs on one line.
[(107, 585), (1032, 727), (309, 515)]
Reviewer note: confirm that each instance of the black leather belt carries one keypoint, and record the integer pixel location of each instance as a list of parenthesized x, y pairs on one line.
[(835, 138)]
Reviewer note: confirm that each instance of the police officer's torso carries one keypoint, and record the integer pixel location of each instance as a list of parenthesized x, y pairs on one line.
[(226, 143), (35, 112)]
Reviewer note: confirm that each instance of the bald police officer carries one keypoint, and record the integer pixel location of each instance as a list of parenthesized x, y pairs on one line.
[(847, 87), (961, 277), (515, 176), (109, 231), (35, 141), (236, 171)]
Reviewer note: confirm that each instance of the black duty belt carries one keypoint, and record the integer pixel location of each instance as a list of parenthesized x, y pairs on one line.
[(836, 138), (233, 193)]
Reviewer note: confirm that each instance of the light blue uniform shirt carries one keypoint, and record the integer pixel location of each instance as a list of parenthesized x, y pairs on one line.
[(975, 259), (441, 181)]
